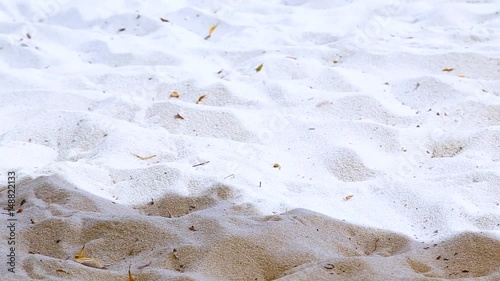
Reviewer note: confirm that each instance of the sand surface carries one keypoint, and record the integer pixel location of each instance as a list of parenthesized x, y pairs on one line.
[(229, 140)]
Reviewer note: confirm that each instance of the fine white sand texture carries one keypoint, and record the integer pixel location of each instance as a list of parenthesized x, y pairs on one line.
[(251, 140)]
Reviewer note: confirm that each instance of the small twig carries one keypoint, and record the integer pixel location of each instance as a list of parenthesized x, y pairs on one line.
[(143, 266), (200, 164), (143, 158), (231, 175)]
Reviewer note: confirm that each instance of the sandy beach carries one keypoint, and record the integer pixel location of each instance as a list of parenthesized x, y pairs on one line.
[(229, 140)]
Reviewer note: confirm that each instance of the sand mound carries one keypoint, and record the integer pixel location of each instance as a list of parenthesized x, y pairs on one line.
[(225, 242)]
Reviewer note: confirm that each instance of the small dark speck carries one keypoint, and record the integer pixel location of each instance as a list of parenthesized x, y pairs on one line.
[(121, 29), (465, 271)]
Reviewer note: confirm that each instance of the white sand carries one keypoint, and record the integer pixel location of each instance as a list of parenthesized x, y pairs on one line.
[(383, 116)]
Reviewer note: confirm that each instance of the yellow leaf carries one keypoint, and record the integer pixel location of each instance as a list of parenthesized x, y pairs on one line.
[(259, 68), (276, 165), (211, 30), (200, 99), (130, 277), (174, 94), (87, 261), (448, 69)]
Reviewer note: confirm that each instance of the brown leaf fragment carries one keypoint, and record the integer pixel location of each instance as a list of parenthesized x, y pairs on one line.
[(200, 99), (448, 69), (20, 210), (22, 202), (192, 228), (174, 94), (130, 277), (178, 116), (348, 197), (164, 20), (259, 68), (144, 158), (276, 165)]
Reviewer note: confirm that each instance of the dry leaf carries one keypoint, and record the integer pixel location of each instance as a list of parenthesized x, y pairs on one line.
[(130, 277), (211, 30), (200, 99), (174, 94), (144, 158), (448, 69), (462, 76), (61, 271), (259, 68), (178, 116), (276, 165), (348, 197), (164, 20), (87, 261)]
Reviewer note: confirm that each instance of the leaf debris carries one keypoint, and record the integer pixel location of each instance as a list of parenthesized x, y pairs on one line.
[(130, 277), (276, 165), (448, 69), (259, 68), (211, 30), (178, 116), (164, 20), (200, 164), (200, 99), (348, 197), (174, 94), (144, 158), (87, 261)]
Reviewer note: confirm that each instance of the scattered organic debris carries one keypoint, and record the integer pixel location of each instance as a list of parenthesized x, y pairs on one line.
[(144, 158), (211, 30), (174, 94), (200, 164), (276, 165), (164, 20), (448, 69), (348, 197), (178, 116), (62, 271), (192, 228), (200, 99), (87, 261), (259, 68), (122, 29)]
